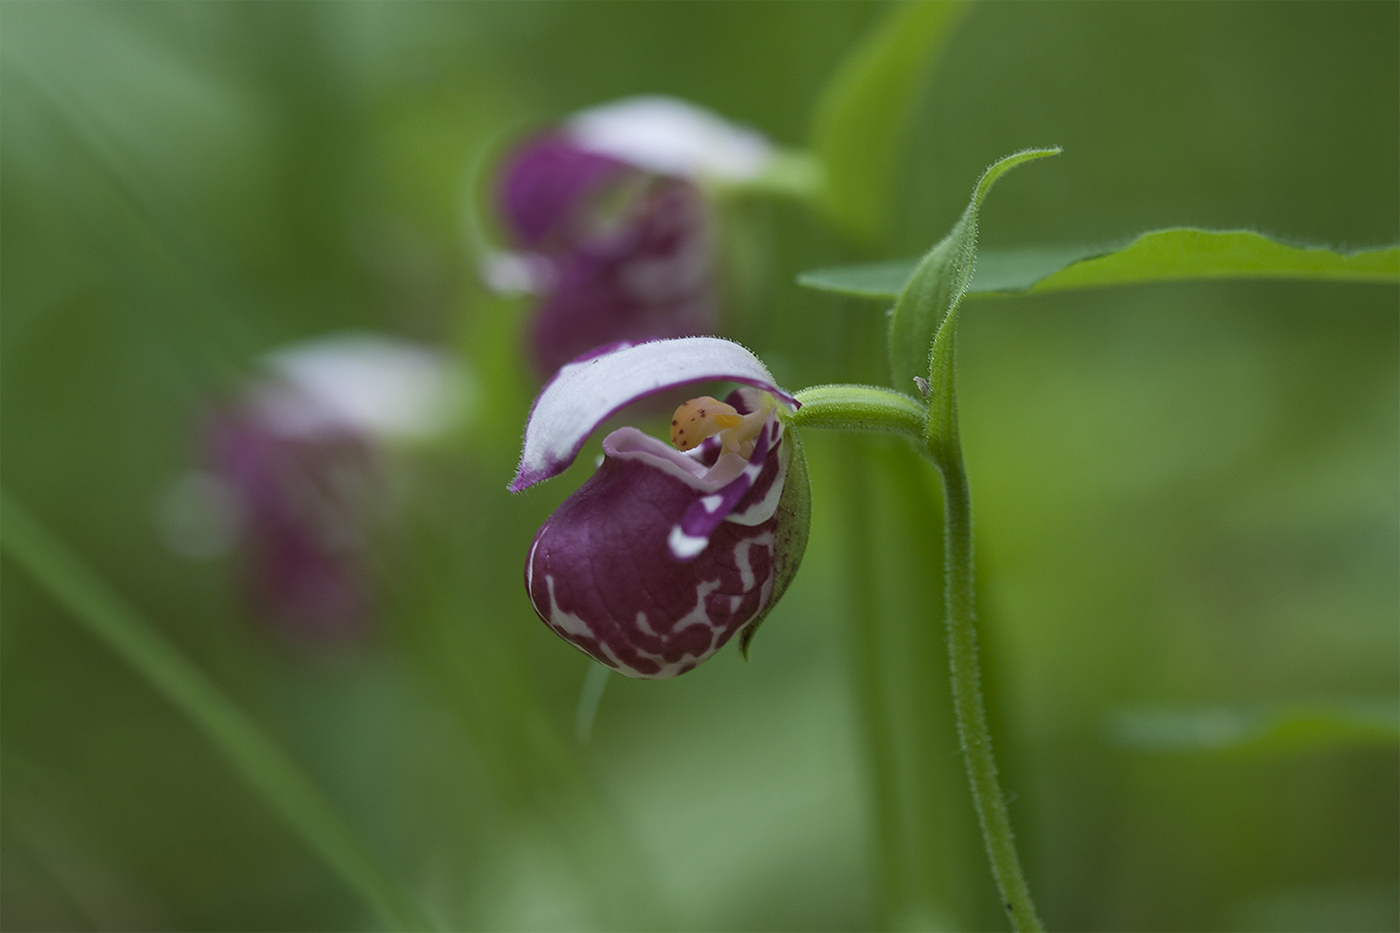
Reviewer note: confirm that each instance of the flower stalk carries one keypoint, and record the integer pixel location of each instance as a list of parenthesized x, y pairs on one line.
[(944, 448), (875, 409), (973, 734), (860, 408)]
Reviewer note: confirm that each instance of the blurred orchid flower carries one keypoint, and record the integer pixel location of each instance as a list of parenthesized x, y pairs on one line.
[(665, 553), (615, 232), (297, 476)]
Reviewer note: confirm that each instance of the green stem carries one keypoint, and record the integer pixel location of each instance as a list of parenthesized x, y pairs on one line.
[(860, 408), (107, 616), (586, 713), (945, 449), (975, 737)]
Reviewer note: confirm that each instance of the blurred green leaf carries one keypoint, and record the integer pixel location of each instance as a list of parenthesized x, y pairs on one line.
[(1295, 725), (1173, 254), (864, 109), (108, 617), (941, 279)]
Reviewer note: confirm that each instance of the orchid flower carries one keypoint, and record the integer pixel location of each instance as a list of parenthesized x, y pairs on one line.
[(298, 477), (615, 232), (666, 552)]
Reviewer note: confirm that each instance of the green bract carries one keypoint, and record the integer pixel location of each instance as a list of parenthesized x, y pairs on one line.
[(941, 278)]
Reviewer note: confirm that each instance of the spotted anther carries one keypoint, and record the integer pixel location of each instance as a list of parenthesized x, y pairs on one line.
[(705, 417)]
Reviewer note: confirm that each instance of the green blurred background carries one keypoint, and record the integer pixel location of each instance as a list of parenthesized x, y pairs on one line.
[(1186, 494)]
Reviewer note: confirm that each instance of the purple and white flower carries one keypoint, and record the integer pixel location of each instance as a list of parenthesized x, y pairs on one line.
[(304, 505), (614, 231), (665, 554), (298, 476)]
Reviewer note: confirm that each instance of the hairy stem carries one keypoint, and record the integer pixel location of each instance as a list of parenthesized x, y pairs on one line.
[(856, 407), (973, 733), (860, 408)]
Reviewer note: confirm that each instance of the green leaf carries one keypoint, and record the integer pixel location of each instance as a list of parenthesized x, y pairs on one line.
[(108, 617), (1170, 255), (864, 109), (1297, 725), (938, 283)]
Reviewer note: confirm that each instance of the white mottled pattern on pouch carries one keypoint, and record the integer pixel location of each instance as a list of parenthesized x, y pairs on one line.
[(698, 615), (712, 502), (617, 662), (562, 621), (673, 669), (741, 557), (645, 626), (665, 665), (684, 546)]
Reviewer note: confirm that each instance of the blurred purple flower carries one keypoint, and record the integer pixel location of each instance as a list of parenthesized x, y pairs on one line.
[(616, 234), (298, 474), (665, 554), (305, 502)]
